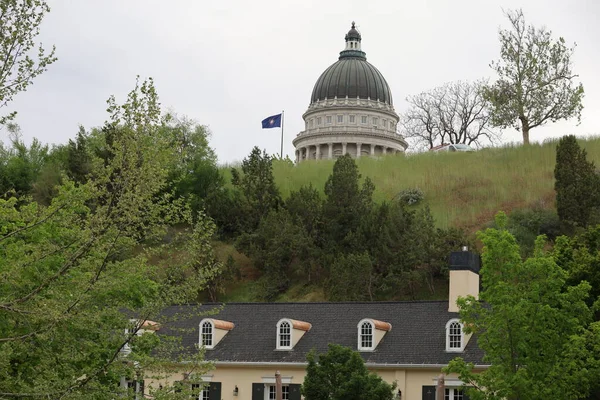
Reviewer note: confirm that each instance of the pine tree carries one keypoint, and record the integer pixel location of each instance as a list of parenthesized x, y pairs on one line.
[(576, 183)]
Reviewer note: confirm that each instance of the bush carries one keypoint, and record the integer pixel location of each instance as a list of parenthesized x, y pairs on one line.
[(410, 196)]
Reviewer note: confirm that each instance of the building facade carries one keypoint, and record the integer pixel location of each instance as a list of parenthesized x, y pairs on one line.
[(403, 342), (351, 110)]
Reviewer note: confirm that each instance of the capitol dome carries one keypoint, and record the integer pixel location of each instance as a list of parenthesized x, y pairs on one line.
[(351, 110)]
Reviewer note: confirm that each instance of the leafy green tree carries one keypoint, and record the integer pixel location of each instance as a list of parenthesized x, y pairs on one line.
[(257, 185), (537, 333), (20, 165), (19, 23), (78, 163), (535, 83), (341, 374), (345, 205), (576, 183), (69, 271)]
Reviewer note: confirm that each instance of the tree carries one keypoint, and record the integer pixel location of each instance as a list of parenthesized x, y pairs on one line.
[(453, 113), (75, 282), (257, 185), (341, 374), (352, 278), (536, 332), (535, 82), (19, 25), (576, 184), (346, 204), (78, 161)]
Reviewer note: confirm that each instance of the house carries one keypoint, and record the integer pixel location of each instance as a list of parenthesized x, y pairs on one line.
[(404, 342)]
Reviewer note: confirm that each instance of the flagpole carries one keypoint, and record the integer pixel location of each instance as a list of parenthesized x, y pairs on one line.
[(281, 154)]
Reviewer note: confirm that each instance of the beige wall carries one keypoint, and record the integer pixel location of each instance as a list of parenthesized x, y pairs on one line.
[(410, 381), (462, 283)]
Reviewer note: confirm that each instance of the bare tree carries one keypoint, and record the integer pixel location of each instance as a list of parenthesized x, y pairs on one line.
[(20, 62), (453, 113)]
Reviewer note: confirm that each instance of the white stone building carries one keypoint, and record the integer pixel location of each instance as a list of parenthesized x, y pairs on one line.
[(351, 110)]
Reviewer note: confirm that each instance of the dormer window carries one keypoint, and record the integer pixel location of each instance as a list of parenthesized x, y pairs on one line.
[(366, 336), (370, 333), (206, 334), (284, 335), (212, 331), (289, 332), (454, 336)]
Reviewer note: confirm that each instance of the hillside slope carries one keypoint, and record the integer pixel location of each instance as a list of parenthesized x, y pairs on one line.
[(462, 189)]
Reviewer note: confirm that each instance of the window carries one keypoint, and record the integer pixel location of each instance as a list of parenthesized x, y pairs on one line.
[(453, 394), (206, 334), (312, 122), (203, 394), (318, 120), (454, 335), (384, 123), (365, 335), (375, 121), (328, 119), (363, 119), (284, 334), (340, 119), (135, 388), (352, 119), (271, 393)]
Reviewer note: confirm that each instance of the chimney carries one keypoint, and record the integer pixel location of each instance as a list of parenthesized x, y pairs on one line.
[(464, 276)]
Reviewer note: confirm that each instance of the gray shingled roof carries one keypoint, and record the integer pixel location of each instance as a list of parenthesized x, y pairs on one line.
[(417, 336)]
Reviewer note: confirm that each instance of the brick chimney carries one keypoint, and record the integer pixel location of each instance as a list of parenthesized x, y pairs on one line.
[(464, 276)]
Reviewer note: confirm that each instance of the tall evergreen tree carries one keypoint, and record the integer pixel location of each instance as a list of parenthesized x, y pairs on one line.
[(576, 183), (78, 158), (257, 184)]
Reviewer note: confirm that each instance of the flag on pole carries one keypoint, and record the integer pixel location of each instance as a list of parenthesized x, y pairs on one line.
[(272, 121)]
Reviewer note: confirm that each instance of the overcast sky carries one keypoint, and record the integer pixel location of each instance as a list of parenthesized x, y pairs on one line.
[(229, 64)]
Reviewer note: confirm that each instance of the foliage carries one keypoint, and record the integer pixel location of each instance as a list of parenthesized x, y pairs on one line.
[(576, 184), (341, 374), (20, 166), (536, 332), (19, 25), (453, 113), (411, 196), (352, 278), (257, 185), (71, 270), (345, 204), (536, 84)]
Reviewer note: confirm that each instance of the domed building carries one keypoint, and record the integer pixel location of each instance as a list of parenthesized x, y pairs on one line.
[(351, 110)]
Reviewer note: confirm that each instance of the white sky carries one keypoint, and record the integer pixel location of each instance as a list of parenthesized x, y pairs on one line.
[(229, 64)]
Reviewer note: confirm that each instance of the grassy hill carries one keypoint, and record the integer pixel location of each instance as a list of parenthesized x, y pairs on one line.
[(462, 189)]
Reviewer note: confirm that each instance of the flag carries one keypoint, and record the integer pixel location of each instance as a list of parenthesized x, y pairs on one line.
[(272, 121)]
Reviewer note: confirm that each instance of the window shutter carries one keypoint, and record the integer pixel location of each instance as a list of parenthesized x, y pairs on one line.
[(258, 391), (295, 392), (141, 387), (428, 392), (214, 391)]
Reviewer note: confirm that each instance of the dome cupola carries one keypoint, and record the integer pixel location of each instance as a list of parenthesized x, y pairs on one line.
[(352, 76)]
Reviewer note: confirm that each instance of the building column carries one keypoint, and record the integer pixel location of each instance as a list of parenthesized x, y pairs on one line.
[(383, 150), (358, 149), (318, 156), (306, 153), (297, 157), (330, 155), (372, 150), (344, 149)]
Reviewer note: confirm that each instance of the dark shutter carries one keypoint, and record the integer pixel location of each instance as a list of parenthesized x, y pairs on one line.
[(141, 388), (428, 392), (294, 392), (214, 391), (465, 396), (258, 391)]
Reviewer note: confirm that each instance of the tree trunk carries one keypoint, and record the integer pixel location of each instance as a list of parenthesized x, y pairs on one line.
[(525, 130)]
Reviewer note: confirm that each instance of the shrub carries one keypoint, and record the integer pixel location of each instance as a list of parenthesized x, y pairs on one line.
[(410, 196)]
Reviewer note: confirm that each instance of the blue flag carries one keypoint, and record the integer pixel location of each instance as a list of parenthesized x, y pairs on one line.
[(272, 121)]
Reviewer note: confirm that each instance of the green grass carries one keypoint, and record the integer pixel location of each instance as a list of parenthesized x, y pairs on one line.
[(462, 189)]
